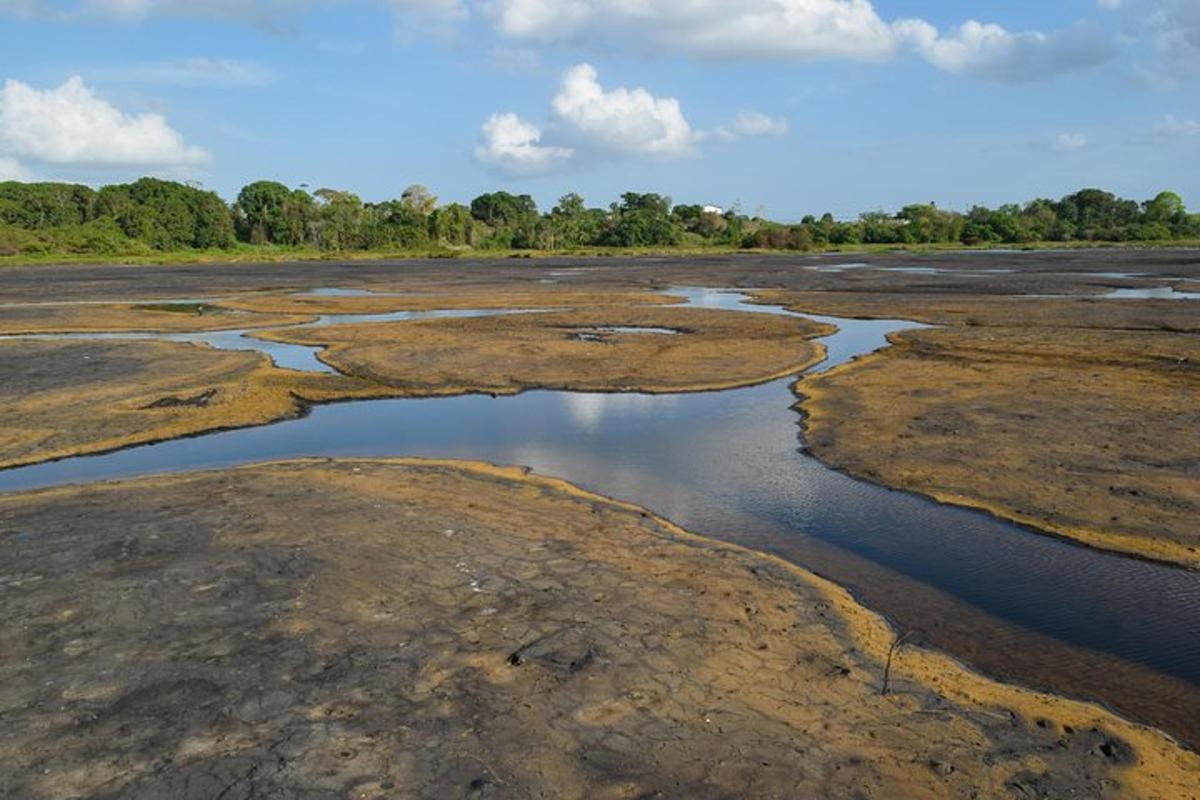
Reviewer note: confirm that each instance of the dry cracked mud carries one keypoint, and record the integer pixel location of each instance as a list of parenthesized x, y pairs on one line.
[(1077, 418), (678, 350), (65, 397), (377, 629)]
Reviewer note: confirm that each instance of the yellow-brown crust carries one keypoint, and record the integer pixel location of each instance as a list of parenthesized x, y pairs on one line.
[(307, 304), (457, 589), (574, 350), (154, 317), (1060, 430)]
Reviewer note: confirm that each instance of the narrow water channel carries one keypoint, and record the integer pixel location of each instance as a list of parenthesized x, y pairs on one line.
[(729, 464), (283, 354)]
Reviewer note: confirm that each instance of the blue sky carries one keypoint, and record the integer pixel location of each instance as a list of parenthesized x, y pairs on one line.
[(784, 106)]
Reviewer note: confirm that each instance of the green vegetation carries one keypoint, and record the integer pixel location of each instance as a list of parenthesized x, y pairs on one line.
[(198, 309), (151, 219)]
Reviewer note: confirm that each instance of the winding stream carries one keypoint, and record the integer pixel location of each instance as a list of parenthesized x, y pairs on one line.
[(728, 464), (289, 356)]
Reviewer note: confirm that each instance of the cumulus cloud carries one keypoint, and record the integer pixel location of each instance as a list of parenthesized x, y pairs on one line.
[(71, 125), (794, 30), (783, 29), (993, 53), (801, 30), (626, 121), (513, 146), (591, 121)]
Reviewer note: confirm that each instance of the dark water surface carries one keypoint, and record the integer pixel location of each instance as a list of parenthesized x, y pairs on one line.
[(728, 464)]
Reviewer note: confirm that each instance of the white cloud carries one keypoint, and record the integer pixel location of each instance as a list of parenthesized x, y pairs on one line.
[(800, 30), (1175, 128), (513, 146), (626, 121), (71, 125), (993, 53), (757, 29), (190, 72), (13, 170), (750, 123), (1172, 30), (1070, 142), (590, 121)]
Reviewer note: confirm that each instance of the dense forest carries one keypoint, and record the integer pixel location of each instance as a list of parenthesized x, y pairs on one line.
[(151, 215)]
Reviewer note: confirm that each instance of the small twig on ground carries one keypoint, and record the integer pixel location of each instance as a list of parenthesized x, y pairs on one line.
[(899, 642)]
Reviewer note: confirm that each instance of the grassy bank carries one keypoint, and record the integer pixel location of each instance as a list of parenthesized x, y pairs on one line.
[(245, 253)]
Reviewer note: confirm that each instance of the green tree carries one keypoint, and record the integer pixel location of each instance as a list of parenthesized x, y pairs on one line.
[(878, 227), (512, 220), (259, 211), (267, 212), (571, 224), (394, 223), (34, 206), (1166, 207), (452, 225), (341, 216), (167, 215), (641, 220)]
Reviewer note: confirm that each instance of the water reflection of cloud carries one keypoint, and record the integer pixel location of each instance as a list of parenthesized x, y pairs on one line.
[(588, 411), (701, 297), (682, 502)]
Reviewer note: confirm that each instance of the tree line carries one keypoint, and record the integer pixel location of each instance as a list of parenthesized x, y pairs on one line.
[(151, 215)]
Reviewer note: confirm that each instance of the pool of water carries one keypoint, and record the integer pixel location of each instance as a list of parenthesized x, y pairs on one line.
[(838, 267), (730, 465), (604, 334), (289, 356), (917, 270), (957, 273), (330, 291), (1153, 293)]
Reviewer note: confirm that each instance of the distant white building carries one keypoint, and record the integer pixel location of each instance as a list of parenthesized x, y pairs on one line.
[(720, 212)]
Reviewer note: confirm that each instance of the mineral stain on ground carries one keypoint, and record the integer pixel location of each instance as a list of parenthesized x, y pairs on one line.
[(429, 629)]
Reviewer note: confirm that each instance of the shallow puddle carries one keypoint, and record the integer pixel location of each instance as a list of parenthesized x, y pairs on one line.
[(1153, 293), (605, 333), (288, 356)]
